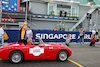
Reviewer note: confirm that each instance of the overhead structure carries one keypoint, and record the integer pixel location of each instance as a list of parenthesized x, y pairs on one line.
[(90, 11)]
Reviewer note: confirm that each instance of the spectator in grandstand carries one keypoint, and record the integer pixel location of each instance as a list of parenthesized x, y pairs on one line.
[(67, 39), (29, 33), (99, 34), (65, 14), (81, 34), (29, 41), (60, 13), (52, 13), (93, 39), (93, 31), (1, 34)]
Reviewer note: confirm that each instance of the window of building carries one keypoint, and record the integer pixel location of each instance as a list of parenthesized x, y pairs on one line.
[(63, 10), (74, 11), (22, 7), (52, 9)]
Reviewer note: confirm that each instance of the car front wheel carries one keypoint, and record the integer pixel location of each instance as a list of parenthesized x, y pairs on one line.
[(62, 55), (16, 57)]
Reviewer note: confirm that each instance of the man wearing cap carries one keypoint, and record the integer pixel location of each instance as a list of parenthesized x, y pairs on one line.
[(29, 41), (1, 34)]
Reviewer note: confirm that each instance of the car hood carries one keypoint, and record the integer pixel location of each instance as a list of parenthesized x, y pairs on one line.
[(12, 44)]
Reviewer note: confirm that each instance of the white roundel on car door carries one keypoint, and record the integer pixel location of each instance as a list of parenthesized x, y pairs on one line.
[(36, 51)]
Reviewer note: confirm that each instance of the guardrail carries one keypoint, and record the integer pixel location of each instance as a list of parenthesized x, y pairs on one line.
[(43, 16)]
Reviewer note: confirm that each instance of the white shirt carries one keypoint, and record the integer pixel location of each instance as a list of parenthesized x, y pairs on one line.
[(1, 31), (28, 33), (93, 32)]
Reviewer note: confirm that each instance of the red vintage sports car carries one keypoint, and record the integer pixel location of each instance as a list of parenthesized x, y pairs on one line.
[(17, 52)]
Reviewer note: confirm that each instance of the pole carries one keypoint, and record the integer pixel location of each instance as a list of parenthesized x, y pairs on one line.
[(97, 22), (26, 11), (0, 11)]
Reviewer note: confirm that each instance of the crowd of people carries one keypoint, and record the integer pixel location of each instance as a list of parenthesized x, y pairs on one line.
[(93, 39), (26, 36), (62, 13)]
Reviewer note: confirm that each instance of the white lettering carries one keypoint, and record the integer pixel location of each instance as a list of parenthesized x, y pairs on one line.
[(50, 36), (87, 36), (56, 36), (45, 36), (60, 36), (73, 36), (64, 36), (38, 35)]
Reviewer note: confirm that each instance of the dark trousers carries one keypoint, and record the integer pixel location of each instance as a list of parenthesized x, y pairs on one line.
[(23, 41), (92, 44)]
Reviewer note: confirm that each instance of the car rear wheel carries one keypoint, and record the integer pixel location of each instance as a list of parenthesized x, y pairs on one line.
[(62, 55), (16, 57)]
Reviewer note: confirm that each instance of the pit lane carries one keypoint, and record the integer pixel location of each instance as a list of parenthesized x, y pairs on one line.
[(83, 56)]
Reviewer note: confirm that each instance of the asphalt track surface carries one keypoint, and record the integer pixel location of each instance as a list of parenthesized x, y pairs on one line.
[(83, 56)]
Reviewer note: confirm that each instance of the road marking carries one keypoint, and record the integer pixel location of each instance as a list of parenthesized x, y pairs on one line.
[(75, 63)]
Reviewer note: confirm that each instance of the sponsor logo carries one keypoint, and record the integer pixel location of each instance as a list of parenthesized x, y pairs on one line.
[(36, 51), (54, 36), (61, 36)]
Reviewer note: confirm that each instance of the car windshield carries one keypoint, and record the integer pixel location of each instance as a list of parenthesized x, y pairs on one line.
[(40, 41)]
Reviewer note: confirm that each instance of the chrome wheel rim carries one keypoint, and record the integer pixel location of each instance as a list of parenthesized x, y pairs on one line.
[(16, 57), (63, 56)]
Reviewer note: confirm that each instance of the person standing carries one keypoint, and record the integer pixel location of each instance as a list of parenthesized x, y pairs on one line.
[(1, 34), (65, 14), (67, 40), (29, 33), (93, 31), (55, 29), (22, 32), (81, 34), (99, 34), (60, 13)]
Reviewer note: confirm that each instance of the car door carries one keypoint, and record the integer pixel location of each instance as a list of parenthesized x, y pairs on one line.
[(36, 52), (50, 52)]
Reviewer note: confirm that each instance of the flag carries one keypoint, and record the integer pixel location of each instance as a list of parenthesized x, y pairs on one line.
[(11, 5)]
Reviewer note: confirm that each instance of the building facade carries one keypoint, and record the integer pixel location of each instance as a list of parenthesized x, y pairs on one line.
[(46, 14), (66, 15)]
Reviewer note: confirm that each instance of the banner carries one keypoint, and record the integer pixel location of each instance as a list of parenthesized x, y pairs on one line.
[(11, 5), (50, 36)]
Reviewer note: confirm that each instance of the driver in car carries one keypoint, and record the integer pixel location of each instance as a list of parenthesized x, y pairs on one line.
[(29, 41)]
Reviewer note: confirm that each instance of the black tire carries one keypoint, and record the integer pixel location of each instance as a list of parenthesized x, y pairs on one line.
[(59, 55), (16, 57)]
